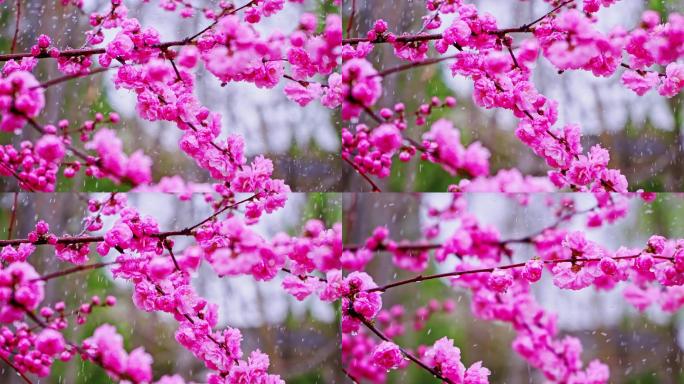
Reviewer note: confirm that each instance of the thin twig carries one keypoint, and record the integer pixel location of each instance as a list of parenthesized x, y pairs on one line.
[(425, 25), (69, 271), (168, 246), (421, 278), (63, 79), (14, 367), (517, 240), (351, 18), (198, 34), (221, 211), (18, 177), (525, 28), (16, 27), (98, 51), (406, 353), (417, 64), (350, 376), (363, 174), (13, 217), (96, 239)]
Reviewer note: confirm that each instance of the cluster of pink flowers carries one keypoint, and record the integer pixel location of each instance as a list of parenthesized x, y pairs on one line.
[(163, 78), (106, 346), (571, 42), (34, 165), (371, 150), (653, 274), (21, 97), (442, 145), (446, 358), (114, 163), (313, 62), (162, 282), (502, 78), (361, 87), (367, 359)]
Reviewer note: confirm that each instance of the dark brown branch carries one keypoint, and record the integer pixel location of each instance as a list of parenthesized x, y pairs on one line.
[(83, 51), (13, 216), (168, 246), (413, 65), (400, 247), (88, 239), (525, 28), (219, 212), (16, 27), (400, 39), (63, 79), (372, 114), (421, 278), (406, 353), (21, 181), (224, 13), (517, 240), (351, 18), (69, 271), (14, 367), (98, 51), (96, 239), (363, 174), (349, 375)]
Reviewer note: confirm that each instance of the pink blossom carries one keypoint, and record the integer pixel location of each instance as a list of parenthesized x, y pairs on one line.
[(476, 160), (657, 244), (673, 81), (73, 253), (576, 44), (386, 137), (643, 263), (591, 6), (120, 47), (639, 83), (500, 280), (458, 33), (21, 91), (50, 148), (50, 342), (303, 94), (107, 346), (299, 288), (413, 52), (608, 265), (445, 357), (533, 270), (138, 168), (18, 281), (568, 276), (476, 374), (361, 88), (138, 366), (119, 236), (387, 356)]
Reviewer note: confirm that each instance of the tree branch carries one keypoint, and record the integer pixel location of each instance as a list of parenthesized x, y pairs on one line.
[(16, 27), (421, 278)]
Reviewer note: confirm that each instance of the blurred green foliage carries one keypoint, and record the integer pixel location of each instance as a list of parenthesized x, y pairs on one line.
[(326, 207)]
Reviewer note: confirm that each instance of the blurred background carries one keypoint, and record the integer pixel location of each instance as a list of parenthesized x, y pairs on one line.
[(302, 142), (639, 348), (301, 338), (642, 134)]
